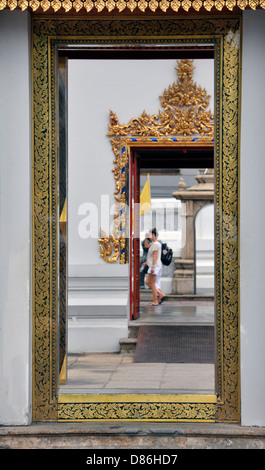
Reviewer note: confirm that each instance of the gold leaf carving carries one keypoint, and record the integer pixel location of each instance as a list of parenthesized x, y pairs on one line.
[(242, 4), (56, 5), (208, 5), (141, 5), (100, 5), (153, 5), (131, 4), (219, 4), (110, 5), (164, 4), (88, 5), (230, 4), (77, 4), (109, 247), (67, 5), (121, 5), (186, 4), (185, 111), (139, 411), (197, 4), (34, 4), (253, 4), (22, 4), (45, 5), (12, 4)]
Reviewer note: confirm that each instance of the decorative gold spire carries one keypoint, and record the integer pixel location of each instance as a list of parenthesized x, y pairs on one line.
[(185, 111)]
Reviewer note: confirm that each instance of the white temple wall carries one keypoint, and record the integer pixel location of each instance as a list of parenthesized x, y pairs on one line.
[(15, 218), (204, 230), (252, 220)]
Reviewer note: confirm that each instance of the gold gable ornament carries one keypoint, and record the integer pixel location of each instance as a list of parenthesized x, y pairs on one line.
[(185, 111)]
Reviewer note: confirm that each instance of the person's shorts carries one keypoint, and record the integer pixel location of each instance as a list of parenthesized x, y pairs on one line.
[(155, 271)]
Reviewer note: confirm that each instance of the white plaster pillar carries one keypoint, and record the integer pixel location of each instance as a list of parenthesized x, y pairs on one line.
[(15, 190), (252, 220)]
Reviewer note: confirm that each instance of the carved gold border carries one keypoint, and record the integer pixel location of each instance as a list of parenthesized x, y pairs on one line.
[(133, 6), (47, 34), (141, 407)]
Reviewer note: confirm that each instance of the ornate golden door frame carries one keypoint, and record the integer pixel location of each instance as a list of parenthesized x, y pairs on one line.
[(48, 35)]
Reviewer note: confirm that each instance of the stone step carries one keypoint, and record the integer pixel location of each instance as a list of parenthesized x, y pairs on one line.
[(129, 435), (133, 329), (146, 294), (128, 345)]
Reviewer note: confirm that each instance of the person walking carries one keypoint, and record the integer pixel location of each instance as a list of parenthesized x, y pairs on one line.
[(154, 268), (146, 243)]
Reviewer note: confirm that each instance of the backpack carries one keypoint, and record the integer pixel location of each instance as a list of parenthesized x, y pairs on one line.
[(166, 254)]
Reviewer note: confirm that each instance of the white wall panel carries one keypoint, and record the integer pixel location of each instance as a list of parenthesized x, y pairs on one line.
[(252, 220), (15, 190)]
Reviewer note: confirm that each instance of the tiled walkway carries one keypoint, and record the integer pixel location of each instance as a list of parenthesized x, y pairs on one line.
[(105, 373), (117, 373), (188, 312)]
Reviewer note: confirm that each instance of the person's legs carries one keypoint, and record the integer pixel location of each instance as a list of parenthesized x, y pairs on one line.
[(151, 282), (158, 280), (160, 294), (143, 272)]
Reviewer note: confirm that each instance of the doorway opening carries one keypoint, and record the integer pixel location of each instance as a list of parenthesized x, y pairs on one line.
[(170, 161), (181, 182), (180, 327)]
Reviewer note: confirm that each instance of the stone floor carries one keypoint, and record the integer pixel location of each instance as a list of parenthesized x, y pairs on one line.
[(181, 312), (91, 436), (114, 372), (104, 373)]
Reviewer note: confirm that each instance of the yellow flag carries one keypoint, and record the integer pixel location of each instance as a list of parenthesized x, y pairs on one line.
[(63, 213), (145, 198), (62, 221)]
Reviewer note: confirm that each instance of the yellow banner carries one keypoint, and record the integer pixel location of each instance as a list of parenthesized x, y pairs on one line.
[(145, 198)]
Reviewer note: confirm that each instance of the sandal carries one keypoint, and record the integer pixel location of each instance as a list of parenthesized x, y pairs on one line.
[(151, 303), (162, 300)]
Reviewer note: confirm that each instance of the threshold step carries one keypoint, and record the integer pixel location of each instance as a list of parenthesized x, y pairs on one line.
[(128, 345)]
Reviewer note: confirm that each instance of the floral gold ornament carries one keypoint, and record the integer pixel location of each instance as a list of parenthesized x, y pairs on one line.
[(185, 111), (110, 247), (131, 5)]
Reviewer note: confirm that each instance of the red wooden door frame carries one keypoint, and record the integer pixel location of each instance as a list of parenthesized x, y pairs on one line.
[(134, 201), (134, 236)]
